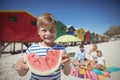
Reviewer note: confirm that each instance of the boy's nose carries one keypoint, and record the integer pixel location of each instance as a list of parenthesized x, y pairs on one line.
[(48, 32)]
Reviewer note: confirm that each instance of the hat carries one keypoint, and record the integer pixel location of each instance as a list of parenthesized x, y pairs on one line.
[(81, 46)]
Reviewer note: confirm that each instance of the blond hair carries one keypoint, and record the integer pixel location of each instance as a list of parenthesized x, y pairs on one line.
[(94, 47), (46, 20)]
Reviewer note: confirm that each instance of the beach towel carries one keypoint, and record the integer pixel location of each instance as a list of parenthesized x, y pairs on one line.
[(88, 74), (101, 73), (82, 71), (109, 69), (74, 71), (106, 74), (81, 75), (113, 69), (93, 74)]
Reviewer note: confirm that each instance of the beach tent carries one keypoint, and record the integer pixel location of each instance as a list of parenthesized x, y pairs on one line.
[(87, 37), (96, 37), (99, 38), (71, 30), (61, 29), (92, 37), (80, 34), (17, 26)]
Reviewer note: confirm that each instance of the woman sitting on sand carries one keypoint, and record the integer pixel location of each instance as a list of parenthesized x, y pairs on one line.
[(92, 54)]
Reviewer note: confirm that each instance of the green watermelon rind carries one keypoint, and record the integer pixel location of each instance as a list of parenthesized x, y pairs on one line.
[(43, 73)]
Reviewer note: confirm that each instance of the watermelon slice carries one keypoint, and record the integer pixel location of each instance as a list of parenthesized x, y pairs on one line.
[(44, 65)]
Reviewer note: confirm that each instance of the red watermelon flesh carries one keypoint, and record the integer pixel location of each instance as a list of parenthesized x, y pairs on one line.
[(44, 65)]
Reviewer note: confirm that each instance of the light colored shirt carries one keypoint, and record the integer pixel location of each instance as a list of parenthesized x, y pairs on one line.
[(93, 55), (80, 55), (100, 60), (42, 51)]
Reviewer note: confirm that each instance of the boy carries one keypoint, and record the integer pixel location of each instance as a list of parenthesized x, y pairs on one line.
[(46, 26)]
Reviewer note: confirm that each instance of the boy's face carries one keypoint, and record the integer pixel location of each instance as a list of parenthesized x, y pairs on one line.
[(47, 34)]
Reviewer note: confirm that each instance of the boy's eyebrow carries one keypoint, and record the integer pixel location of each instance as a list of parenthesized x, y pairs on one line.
[(52, 27)]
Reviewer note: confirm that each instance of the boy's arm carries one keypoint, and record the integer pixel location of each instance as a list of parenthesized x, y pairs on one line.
[(21, 67), (66, 68)]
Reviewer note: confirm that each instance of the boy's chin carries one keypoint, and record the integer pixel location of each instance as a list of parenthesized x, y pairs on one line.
[(49, 41)]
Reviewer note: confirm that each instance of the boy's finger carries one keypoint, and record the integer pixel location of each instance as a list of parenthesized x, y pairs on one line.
[(66, 60), (22, 63), (65, 56)]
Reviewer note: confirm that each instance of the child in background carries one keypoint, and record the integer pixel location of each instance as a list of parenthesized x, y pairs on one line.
[(92, 53), (46, 27), (100, 61), (101, 65)]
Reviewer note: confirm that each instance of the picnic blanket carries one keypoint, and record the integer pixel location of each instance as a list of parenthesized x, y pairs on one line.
[(113, 69), (93, 74)]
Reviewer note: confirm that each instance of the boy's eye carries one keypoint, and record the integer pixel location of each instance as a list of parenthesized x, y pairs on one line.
[(44, 30), (52, 30)]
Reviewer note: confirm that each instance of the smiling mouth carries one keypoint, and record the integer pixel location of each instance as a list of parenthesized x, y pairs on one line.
[(49, 38)]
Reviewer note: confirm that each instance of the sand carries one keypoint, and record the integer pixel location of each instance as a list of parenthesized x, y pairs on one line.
[(111, 52)]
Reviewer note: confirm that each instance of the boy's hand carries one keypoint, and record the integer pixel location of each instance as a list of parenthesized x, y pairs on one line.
[(21, 67), (66, 62), (65, 58)]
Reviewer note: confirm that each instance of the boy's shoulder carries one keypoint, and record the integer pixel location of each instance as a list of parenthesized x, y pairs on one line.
[(59, 45), (34, 45)]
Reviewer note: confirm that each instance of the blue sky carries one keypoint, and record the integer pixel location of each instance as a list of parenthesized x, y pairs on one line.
[(94, 15)]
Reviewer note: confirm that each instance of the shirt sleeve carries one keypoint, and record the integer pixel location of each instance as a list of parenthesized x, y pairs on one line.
[(76, 55), (28, 50)]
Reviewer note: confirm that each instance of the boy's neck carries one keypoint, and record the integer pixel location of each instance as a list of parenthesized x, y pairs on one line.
[(47, 44)]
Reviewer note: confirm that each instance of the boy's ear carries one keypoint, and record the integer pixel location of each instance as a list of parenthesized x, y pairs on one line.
[(38, 32)]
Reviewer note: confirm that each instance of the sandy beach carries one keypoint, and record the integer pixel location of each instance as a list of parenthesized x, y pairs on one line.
[(111, 52)]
